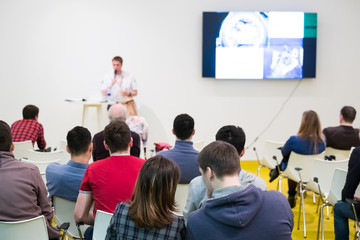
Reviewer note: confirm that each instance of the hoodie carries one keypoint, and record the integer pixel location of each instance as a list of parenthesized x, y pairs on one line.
[(242, 213)]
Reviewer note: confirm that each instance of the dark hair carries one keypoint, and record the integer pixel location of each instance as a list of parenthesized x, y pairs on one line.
[(154, 196), (78, 140), (118, 59), (233, 135), (348, 113), (117, 136), (30, 112), (221, 157), (5, 137), (183, 126)]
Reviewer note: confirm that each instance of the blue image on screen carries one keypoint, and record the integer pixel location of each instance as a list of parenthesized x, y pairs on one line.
[(284, 59)]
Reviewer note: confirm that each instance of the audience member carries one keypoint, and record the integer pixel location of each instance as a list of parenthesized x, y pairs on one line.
[(183, 153), (149, 215), (343, 136), (342, 209), (138, 125), (29, 128), (197, 189), (23, 192), (116, 112), (235, 211), (309, 140), (110, 180), (64, 180)]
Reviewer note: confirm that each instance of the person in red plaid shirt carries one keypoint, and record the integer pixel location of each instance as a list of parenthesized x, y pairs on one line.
[(29, 128)]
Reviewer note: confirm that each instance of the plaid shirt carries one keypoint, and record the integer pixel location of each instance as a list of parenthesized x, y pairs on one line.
[(28, 129), (122, 227)]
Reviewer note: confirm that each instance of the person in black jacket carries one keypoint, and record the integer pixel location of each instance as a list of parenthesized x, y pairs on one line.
[(342, 209)]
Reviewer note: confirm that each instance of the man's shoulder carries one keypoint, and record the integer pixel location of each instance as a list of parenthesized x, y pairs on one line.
[(99, 135), (247, 178), (331, 129)]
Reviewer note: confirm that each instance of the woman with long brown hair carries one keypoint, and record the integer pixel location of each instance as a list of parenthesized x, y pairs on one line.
[(309, 140), (150, 213)]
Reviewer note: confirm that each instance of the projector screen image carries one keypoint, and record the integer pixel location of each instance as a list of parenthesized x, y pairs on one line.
[(259, 45)]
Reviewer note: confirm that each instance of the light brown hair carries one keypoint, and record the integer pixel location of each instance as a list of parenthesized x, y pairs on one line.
[(310, 128), (154, 195)]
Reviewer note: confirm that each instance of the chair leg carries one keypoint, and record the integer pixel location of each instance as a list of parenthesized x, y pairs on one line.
[(327, 213), (258, 170), (303, 209), (314, 199), (319, 224), (279, 183)]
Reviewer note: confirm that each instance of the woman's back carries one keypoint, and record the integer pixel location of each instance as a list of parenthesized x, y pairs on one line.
[(122, 227)]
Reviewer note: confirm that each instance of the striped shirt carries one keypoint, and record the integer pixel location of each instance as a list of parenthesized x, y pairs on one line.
[(28, 129), (122, 227)]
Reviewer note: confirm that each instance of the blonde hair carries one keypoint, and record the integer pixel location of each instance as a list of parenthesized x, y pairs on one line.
[(310, 128)]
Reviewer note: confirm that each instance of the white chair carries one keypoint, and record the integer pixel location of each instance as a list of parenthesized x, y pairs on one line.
[(31, 229), (41, 165), (43, 156), (102, 221), (181, 197), (64, 212), (299, 169), (66, 156), (21, 148), (337, 184), (199, 145), (323, 171), (272, 155), (338, 153)]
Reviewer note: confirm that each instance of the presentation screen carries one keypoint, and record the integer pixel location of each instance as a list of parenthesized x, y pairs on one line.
[(259, 45)]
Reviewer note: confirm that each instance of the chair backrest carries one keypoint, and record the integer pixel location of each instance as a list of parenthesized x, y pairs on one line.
[(102, 221), (31, 229), (181, 197), (21, 148), (324, 171), (272, 149), (44, 156), (305, 162), (199, 145), (41, 165), (64, 212), (337, 184), (338, 153)]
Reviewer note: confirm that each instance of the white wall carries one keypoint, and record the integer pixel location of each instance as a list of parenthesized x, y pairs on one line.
[(50, 50)]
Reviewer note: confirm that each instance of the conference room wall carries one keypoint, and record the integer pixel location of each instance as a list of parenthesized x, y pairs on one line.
[(52, 50)]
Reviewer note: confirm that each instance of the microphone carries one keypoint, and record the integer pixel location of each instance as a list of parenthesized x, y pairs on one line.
[(115, 72)]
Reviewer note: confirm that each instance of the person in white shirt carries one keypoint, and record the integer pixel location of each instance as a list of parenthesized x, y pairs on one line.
[(119, 86)]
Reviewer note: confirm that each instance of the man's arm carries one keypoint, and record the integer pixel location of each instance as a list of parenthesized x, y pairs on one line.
[(353, 175), (41, 140), (82, 209)]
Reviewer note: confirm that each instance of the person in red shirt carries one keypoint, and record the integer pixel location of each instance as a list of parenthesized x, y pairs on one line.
[(29, 128), (110, 180)]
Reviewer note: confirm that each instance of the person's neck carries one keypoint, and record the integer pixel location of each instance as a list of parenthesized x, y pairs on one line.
[(186, 140), (83, 158), (346, 124), (227, 181), (127, 152)]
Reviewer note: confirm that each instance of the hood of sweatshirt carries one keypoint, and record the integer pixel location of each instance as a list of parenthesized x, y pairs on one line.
[(236, 209)]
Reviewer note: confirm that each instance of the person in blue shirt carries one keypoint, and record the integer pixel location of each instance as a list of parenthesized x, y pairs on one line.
[(309, 140), (183, 153), (64, 180)]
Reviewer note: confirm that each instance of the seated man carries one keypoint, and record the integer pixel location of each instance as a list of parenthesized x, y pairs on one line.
[(116, 112), (342, 209), (344, 136), (197, 190), (64, 180), (23, 192), (110, 180), (235, 211), (183, 153), (29, 128)]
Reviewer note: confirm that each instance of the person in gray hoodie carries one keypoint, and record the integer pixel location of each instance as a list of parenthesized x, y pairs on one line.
[(197, 190), (234, 211)]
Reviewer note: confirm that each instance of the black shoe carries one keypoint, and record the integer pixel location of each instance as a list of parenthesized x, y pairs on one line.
[(274, 173), (292, 200)]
